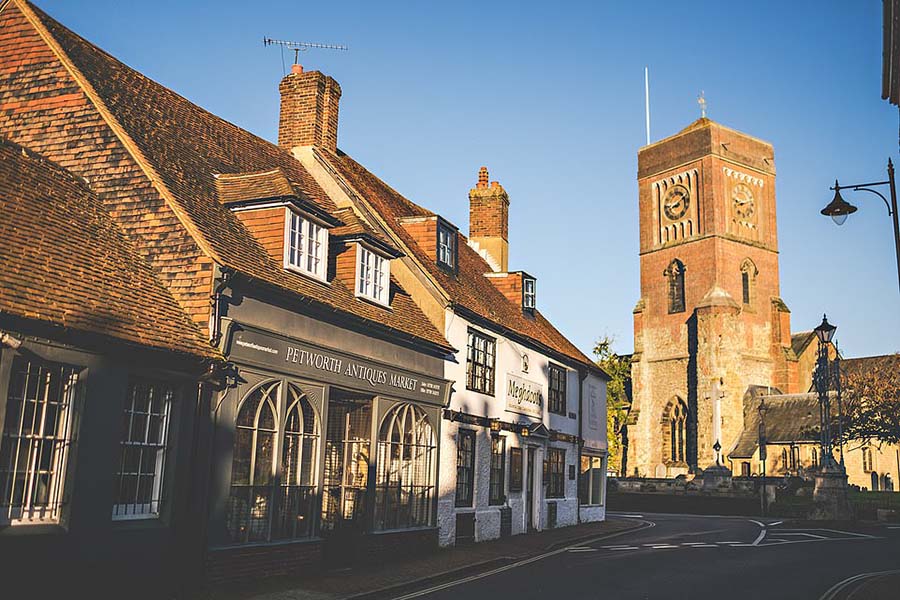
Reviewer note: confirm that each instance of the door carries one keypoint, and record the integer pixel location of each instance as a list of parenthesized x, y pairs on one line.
[(529, 492), (345, 489)]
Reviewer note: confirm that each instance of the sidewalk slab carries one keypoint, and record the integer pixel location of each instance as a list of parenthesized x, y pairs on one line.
[(375, 580)]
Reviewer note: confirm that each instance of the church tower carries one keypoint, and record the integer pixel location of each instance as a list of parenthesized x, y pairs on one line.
[(710, 321)]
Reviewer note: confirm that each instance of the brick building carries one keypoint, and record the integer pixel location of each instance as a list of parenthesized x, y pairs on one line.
[(710, 322), (340, 310)]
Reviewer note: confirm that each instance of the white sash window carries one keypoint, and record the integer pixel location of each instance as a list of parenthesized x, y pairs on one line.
[(306, 246), (373, 275)]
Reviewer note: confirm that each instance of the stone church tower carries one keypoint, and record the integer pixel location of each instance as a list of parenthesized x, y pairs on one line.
[(710, 321)]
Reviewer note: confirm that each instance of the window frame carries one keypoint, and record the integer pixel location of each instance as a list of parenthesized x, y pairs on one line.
[(486, 382), (591, 482), (675, 287), (452, 247), (319, 273), (497, 479), (380, 268), (529, 298), (71, 390), (163, 449), (556, 472), (557, 401), (469, 467)]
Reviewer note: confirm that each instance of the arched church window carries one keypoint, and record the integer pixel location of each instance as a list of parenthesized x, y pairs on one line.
[(748, 281), (675, 424), (405, 482), (675, 275), (784, 459)]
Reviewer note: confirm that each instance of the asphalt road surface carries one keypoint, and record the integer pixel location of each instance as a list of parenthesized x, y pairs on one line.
[(694, 557)]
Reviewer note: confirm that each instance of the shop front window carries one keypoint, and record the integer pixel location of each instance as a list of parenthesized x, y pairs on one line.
[(406, 460), (347, 446), (262, 507)]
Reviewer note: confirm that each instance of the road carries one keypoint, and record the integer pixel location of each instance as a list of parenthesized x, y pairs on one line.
[(696, 557)]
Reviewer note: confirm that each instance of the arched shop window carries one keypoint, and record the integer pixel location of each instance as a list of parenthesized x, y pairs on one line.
[(405, 483), (261, 508)]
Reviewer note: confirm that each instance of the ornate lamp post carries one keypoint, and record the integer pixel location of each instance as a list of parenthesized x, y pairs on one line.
[(830, 494), (839, 209), (763, 409)]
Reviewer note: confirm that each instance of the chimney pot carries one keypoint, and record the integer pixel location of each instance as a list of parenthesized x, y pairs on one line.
[(482, 178), (297, 68), (495, 184)]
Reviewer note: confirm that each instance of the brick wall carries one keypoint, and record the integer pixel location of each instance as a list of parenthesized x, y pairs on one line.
[(254, 562), (344, 259), (489, 219), (309, 110), (424, 232), (267, 226), (43, 108), (510, 284)]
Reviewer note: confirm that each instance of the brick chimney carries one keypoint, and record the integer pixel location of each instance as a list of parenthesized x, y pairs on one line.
[(309, 110), (489, 220)]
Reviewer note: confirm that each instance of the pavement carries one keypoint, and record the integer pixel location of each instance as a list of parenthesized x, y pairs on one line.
[(390, 579)]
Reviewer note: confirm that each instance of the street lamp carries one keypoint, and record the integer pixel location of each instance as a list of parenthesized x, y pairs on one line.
[(839, 209), (825, 332), (763, 409)]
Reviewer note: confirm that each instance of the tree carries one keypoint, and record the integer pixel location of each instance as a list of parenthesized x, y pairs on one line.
[(617, 401), (871, 394)]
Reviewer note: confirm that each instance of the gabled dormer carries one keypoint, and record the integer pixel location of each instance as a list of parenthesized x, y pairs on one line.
[(292, 229), (438, 237), (362, 258), (519, 287)]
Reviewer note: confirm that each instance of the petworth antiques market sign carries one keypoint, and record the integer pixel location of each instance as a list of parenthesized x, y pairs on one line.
[(524, 397), (333, 366)]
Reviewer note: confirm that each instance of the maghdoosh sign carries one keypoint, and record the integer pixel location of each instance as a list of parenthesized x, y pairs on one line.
[(524, 397)]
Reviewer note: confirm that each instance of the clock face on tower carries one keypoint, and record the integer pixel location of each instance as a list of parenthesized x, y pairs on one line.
[(742, 198), (676, 202)]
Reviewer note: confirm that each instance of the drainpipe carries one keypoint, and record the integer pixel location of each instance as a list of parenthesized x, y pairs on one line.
[(215, 326)]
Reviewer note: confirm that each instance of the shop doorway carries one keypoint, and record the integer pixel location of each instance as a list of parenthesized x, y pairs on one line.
[(529, 491), (345, 490)]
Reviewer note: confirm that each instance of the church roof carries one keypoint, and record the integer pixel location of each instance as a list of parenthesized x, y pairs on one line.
[(801, 340), (788, 418)]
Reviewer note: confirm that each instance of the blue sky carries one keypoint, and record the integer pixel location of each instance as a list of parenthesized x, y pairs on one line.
[(550, 97)]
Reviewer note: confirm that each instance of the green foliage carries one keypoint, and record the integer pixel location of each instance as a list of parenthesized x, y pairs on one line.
[(617, 403)]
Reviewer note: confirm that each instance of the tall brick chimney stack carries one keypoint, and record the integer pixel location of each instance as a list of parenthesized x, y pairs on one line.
[(309, 110), (489, 219)]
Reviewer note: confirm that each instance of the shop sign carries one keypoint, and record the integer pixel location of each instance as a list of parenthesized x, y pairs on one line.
[(524, 397), (335, 367)]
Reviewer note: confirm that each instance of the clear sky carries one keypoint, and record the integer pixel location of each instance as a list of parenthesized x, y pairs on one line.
[(550, 97)]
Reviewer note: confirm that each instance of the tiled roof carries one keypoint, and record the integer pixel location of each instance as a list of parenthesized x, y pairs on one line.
[(188, 146), (353, 225), (64, 262), (885, 363), (788, 417), (240, 187), (800, 341), (469, 288)]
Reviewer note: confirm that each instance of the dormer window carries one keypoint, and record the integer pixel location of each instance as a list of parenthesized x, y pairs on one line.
[(446, 246), (306, 246), (373, 275), (529, 294)]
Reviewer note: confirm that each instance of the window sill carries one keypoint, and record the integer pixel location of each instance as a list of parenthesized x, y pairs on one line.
[(306, 274), (370, 300)]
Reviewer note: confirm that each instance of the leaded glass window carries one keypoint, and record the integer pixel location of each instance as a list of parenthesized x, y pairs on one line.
[(465, 467), (480, 363)]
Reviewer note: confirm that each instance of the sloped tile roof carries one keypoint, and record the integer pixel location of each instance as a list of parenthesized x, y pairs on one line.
[(241, 187), (469, 288), (187, 146), (789, 418), (64, 262)]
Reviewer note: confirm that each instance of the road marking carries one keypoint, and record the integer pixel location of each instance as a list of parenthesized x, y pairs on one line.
[(660, 546), (626, 548), (696, 544), (812, 535), (729, 542), (758, 523), (844, 584), (515, 565), (759, 538), (583, 550), (630, 516), (893, 526), (775, 523), (703, 546)]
